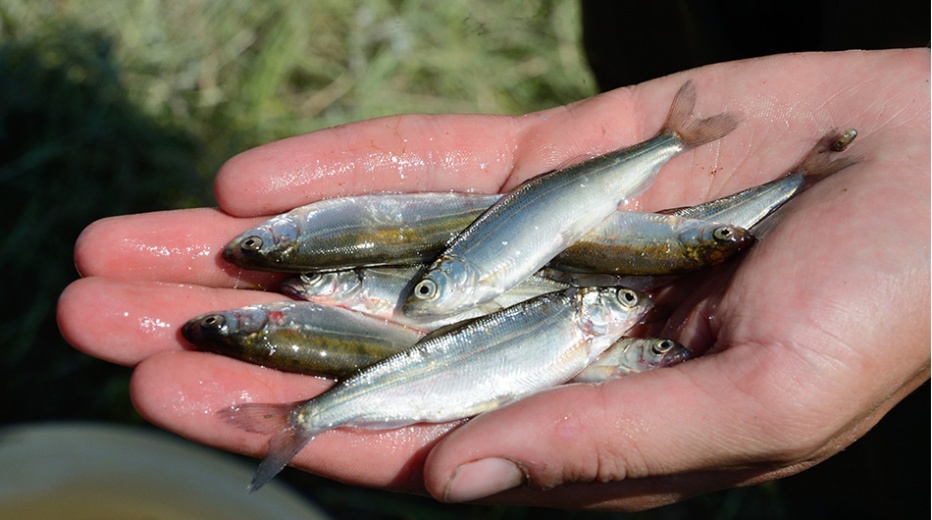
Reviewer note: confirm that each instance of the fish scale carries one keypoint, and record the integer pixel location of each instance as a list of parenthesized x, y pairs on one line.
[(547, 213), (454, 374)]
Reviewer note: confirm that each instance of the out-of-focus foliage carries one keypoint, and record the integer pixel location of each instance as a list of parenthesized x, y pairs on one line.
[(239, 73), (73, 148), (109, 108)]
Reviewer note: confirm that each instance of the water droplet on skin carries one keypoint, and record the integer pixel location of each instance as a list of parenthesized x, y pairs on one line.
[(151, 325)]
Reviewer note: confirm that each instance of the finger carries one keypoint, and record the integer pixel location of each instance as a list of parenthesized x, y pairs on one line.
[(174, 246), (437, 153), (400, 153), (490, 153), (631, 430), (182, 391), (126, 321), (635, 495)]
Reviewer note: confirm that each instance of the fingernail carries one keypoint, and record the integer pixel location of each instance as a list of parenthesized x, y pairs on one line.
[(482, 478)]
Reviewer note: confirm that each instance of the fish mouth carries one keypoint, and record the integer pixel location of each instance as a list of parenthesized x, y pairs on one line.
[(744, 239), (678, 357)]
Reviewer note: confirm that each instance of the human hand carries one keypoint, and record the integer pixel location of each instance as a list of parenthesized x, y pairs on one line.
[(821, 328)]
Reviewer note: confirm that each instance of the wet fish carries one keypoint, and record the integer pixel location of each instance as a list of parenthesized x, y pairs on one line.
[(381, 291), (748, 208), (300, 337), (345, 232), (633, 356), (478, 366), (528, 227), (630, 243)]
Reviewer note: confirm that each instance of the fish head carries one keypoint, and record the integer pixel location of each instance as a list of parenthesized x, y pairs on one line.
[(271, 246), (610, 310), (221, 331), (660, 352), (447, 287), (323, 287), (714, 243)]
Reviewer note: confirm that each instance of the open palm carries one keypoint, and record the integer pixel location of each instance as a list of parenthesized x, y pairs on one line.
[(819, 331)]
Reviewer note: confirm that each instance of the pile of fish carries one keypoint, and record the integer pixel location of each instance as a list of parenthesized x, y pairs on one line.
[(433, 307)]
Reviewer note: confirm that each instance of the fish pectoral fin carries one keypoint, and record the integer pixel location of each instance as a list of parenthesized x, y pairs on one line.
[(596, 374), (489, 307)]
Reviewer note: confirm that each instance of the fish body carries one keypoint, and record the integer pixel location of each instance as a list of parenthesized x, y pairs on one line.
[(750, 207), (634, 243), (466, 370), (381, 291), (633, 356), (524, 230), (300, 337), (344, 232)]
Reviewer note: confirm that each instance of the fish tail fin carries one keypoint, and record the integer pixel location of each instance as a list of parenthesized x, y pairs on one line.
[(691, 131), (821, 162), (288, 437)]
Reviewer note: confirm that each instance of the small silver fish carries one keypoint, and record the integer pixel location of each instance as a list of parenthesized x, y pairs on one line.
[(630, 243), (469, 369), (633, 356), (381, 291), (748, 208), (345, 232), (524, 230), (300, 337)]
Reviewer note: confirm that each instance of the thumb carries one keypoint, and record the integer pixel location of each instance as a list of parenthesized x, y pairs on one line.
[(616, 444)]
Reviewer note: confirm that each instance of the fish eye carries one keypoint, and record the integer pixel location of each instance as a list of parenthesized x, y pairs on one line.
[(723, 233), (426, 290), (252, 243), (213, 322), (311, 278), (627, 297), (662, 347)]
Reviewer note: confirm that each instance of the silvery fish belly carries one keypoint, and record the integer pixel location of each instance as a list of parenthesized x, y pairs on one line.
[(347, 232), (748, 208), (528, 227), (466, 370), (633, 356), (381, 291), (300, 337), (632, 243)]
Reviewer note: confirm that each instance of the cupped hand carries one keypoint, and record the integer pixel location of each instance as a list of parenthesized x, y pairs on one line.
[(818, 331)]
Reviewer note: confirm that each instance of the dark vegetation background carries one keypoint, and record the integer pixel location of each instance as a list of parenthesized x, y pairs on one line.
[(109, 108)]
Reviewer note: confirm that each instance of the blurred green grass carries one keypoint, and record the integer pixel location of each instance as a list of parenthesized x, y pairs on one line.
[(240, 73), (109, 108), (120, 107)]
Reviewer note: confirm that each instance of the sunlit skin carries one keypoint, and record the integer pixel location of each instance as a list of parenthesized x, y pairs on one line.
[(822, 327)]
